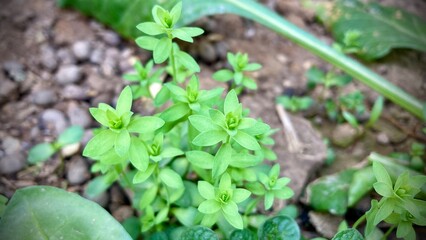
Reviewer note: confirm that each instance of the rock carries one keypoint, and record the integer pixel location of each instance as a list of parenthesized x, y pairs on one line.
[(325, 224), (382, 138), (68, 74), (109, 63), (81, 50), (44, 97), (101, 98), (97, 56), (122, 213), (69, 30), (394, 134), (8, 90), (53, 118), (12, 159), (70, 149), (65, 56), (15, 71), (344, 135), (99, 84), (207, 52), (48, 58), (111, 38), (77, 171), (221, 49), (74, 92), (78, 116)]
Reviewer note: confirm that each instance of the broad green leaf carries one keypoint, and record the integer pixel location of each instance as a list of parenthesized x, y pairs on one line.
[(245, 160), (150, 28), (122, 143), (171, 178), (348, 234), (40, 152), (175, 112), (198, 232), (252, 67), (230, 212), (206, 190), (221, 160), (210, 138), (146, 42), (176, 12), (381, 174), (148, 197), (383, 189), (362, 183), (384, 211), (280, 227), (231, 102), (243, 234), (186, 216), (211, 94), (43, 212), (162, 50), (380, 28), (132, 226), (246, 141), (182, 35), (143, 176), (186, 60), (200, 159), (192, 31), (202, 123), (138, 154), (209, 206), (100, 144), (124, 102), (146, 124), (97, 186), (99, 115), (240, 195), (71, 135), (223, 75)]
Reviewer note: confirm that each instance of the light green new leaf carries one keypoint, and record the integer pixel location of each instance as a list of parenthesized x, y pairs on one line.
[(43, 212), (221, 160), (148, 197), (150, 28), (192, 31), (100, 144), (186, 60), (124, 102), (143, 176), (171, 178), (122, 143), (209, 206), (40, 152), (240, 195), (223, 75), (138, 154), (200, 159), (231, 102), (146, 42), (176, 12), (162, 50), (381, 174), (171, 152), (99, 115), (230, 212), (246, 141), (206, 190), (146, 124), (175, 112), (210, 138), (182, 35), (202, 123), (71, 135)]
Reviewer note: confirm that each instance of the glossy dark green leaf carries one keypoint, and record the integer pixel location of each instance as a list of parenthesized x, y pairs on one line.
[(40, 152), (348, 234), (279, 228), (43, 212), (362, 183), (244, 234), (198, 233)]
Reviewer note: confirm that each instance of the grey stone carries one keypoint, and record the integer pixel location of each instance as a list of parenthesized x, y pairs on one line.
[(97, 56), (344, 135), (77, 171), (326, 224), (68, 74), (394, 134), (8, 90), (111, 38), (65, 56), (382, 138), (74, 92), (15, 71), (82, 50), (53, 118), (44, 97), (110, 62), (12, 159), (207, 52), (78, 116), (48, 58)]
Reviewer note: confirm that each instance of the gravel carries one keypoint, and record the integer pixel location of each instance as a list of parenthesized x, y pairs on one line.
[(44, 97), (77, 171), (68, 74), (8, 90), (78, 115), (74, 92), (15, 71), (12, 159), (48, 58), (111, 38), (82, 50), (55, 119)]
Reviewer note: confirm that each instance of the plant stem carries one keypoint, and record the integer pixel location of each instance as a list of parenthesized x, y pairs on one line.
[(172, 59), (388, 232), (359, 221)]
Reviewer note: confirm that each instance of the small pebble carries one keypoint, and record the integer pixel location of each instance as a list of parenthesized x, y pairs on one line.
[(70, 149), (78, 116), (48, 58), (207, 52), (74, 92), (55, 119), (81, 50), (44, 97), (111, 38), (12, 158), (65, 56), (382, 138), (96, 56), (8, 90), (68, 74), (77, 171), (15, 71)]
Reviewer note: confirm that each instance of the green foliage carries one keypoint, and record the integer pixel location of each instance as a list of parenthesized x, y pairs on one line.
[(240, 64), (199, 233), (43, 151), (42, 212), (295, 103), (279, 228), (330, 79), (348, 234), (144, 79), (371, 30)]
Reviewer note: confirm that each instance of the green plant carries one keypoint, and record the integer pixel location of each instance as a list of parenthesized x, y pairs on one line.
[(316, 76), (144, 78), (44, 212), (295, 103), (43, 151), (414, 158), (191, 163), (240, 64)]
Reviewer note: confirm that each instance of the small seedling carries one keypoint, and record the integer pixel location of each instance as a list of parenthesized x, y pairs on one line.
[(329, 80), (294, 103), (43, 151), (144, 77), (240, 64)]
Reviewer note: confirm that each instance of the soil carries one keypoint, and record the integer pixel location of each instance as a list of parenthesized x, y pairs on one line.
[(37, 43)]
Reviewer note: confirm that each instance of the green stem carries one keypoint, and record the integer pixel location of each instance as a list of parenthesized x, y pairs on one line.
[(270, 19), (359, 221), (388, 232), (172, 59)]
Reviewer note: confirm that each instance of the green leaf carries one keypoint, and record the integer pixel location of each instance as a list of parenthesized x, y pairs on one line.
[(200, 159), (383, 189), (175, 112), (348, 234), (124, 102), (252, 67), (231, 214), (146, 42), (71, 135), (246, 141), (122, 143), (209, 206), (150, 28), (315, 76), (221, 160), (138, 154), (176, 12), (380, 28), (231, 102), (186, 216), (211, 94), (145, 125), (223, 75), (192, 31), (148, 196), (210, 138), (206, 190), (362, 183), (99, 115), (171, 178), (186, 60), (198, 232), (143, 176), (269, 200), (162, 50), (351, 119), (376, 111), (100, 144), (384, 211), (381, 174), (182, 35), (280, 227), (244, 234), (240, 195), (43, 212), (40, 152)]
